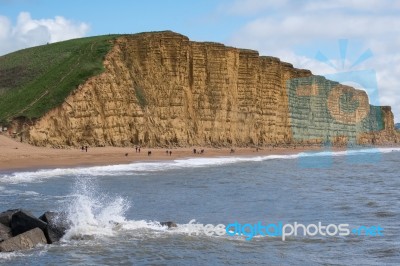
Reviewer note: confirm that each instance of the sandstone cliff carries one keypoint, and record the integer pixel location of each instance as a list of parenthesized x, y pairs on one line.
[(160, 89)]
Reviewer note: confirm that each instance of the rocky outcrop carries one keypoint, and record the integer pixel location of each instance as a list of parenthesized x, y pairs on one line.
[(5, 217), (20, 230), (5, 232), (57, 226), (27, 240), (23, 221), (169, 224), (323, 110), (160, 89)]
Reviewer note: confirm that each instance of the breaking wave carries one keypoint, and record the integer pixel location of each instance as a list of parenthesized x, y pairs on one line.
[(93, 214)]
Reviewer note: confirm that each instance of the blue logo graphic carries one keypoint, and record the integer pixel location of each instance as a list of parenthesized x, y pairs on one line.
[(282, 230), (329, 111)]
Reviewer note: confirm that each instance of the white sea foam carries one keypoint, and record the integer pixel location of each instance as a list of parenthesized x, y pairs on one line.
[(5, 192), (92, 213), (348, 152), (9, 255), (6, 255), (143, 167), (29, 193)]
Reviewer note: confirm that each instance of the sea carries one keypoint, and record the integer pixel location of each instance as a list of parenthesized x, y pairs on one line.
[(311, 208)]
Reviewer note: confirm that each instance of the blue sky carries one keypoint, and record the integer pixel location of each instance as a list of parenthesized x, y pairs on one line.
[(200, 20), (293, 30)]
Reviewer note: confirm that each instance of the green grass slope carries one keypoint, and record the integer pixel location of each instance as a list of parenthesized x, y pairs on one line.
[(35, 80)]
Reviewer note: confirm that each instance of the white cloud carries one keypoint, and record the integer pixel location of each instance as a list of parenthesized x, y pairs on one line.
[(359, 5), (31, 32), (272, 32), (249, 7), (294, 25), (4, 28)]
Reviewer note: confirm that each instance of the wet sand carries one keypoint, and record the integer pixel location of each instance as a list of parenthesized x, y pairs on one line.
[(16, 156)]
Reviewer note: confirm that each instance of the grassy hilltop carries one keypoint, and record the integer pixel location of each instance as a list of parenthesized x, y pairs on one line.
[(35, 80)]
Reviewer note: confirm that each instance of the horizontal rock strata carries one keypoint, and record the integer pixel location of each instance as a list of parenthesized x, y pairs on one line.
[(160, 89)]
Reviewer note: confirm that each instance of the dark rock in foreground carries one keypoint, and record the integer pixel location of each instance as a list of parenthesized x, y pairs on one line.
[(5, 217), (24, 241), (5, 232), (23, 221), (169, 224), (57, 225), (20, 230)]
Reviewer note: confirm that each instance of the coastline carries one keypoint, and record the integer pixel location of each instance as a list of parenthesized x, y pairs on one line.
[(16, 156)]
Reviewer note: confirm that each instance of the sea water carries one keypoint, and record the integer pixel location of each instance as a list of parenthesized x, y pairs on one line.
[(116, 210)]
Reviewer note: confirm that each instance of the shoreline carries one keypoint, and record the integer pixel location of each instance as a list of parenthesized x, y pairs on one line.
[(16, 156)]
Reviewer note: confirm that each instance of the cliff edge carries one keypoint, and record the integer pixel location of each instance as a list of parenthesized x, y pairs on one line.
[(161, 89)]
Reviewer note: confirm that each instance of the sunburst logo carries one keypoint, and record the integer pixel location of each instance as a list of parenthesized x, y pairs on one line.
[(343, 48), (339, 109)]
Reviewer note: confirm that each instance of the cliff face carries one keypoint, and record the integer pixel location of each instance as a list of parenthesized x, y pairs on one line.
[(160, 89)]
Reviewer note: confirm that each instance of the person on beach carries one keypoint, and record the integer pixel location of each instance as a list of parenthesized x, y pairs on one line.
[(136, 148), (82, 148), (194, 151), (86, 147), (148, 153), (170, 153), (167, 152)]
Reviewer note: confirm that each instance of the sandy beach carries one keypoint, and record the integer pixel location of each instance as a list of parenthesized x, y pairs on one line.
[(21, 156)]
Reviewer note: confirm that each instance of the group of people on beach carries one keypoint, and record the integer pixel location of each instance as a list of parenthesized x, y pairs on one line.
[(167, 152), (137, 148), (84, 148), (195, 151)]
